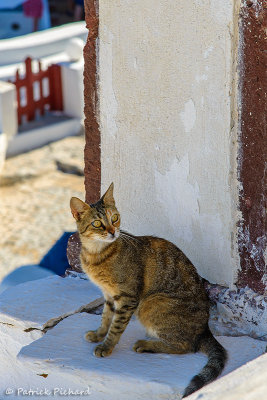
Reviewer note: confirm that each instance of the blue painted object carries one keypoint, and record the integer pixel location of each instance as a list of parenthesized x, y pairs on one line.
[(56, 258), (55, 262)]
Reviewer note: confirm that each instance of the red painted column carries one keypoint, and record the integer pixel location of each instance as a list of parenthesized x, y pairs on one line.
[(252, 157), (92, 160)]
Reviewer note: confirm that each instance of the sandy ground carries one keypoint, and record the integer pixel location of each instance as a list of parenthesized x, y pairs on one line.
[(34, 201)]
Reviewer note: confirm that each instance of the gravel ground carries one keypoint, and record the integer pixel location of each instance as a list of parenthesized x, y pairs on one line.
[(34, 201)]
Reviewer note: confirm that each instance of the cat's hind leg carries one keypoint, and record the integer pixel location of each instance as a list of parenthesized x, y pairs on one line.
[(166, 319), (157, 346)]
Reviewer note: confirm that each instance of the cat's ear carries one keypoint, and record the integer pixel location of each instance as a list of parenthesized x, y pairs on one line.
[(108, 198), (78, 207)]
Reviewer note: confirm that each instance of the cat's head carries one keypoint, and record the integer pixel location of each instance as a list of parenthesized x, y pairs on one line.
[(99, 221)]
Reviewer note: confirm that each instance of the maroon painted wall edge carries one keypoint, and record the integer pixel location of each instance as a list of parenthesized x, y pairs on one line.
[(92, 160), (252, 154)]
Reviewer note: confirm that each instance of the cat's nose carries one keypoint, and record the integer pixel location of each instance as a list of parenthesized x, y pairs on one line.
[(112, 232)]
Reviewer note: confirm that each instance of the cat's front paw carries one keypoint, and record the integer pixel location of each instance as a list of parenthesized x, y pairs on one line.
[(102, 350), (93, 336)]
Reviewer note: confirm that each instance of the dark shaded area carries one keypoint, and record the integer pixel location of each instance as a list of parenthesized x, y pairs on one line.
[(62, 12), (56, 259), (50, 118), (252, 155), (13, 180), (69, 168)]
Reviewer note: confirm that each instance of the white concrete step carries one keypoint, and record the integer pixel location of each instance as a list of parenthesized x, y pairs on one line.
[(66, 360), (43, 134), (125, 374), (36, 304)]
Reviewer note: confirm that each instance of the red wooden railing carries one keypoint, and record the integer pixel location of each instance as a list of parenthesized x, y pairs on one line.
[(38, 91)]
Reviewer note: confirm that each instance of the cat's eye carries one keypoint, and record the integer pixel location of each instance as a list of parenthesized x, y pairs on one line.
[(97, 224), (114, 218)]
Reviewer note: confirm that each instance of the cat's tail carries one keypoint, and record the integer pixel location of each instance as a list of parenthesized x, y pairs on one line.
[(217, 357)]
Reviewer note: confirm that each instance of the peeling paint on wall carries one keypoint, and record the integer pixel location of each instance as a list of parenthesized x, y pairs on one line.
[(186, 210), (188, 116), (238, 312), (108, 104), (208, 51), (181, 200)]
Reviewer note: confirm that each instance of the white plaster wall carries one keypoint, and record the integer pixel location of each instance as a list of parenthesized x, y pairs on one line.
[(8, 109), (72, 83), (8, 117), (3, 147), (165, 80)]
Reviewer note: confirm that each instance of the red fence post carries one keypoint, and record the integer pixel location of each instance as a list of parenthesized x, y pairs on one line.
[(29, 79), (42, 98), (55, 87)]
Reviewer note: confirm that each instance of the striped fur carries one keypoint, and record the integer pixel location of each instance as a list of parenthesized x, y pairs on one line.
[(150, 277), (217, 358)]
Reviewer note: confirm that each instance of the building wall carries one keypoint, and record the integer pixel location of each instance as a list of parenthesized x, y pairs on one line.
[(168, 134)]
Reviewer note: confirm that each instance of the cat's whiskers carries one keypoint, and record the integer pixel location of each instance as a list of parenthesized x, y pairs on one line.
[(129, 239), (125, 239), (130, 236)]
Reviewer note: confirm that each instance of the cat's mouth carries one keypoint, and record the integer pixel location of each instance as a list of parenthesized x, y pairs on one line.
[(110, 237)]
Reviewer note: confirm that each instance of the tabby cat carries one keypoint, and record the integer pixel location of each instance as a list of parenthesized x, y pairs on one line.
[(150, 277)]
